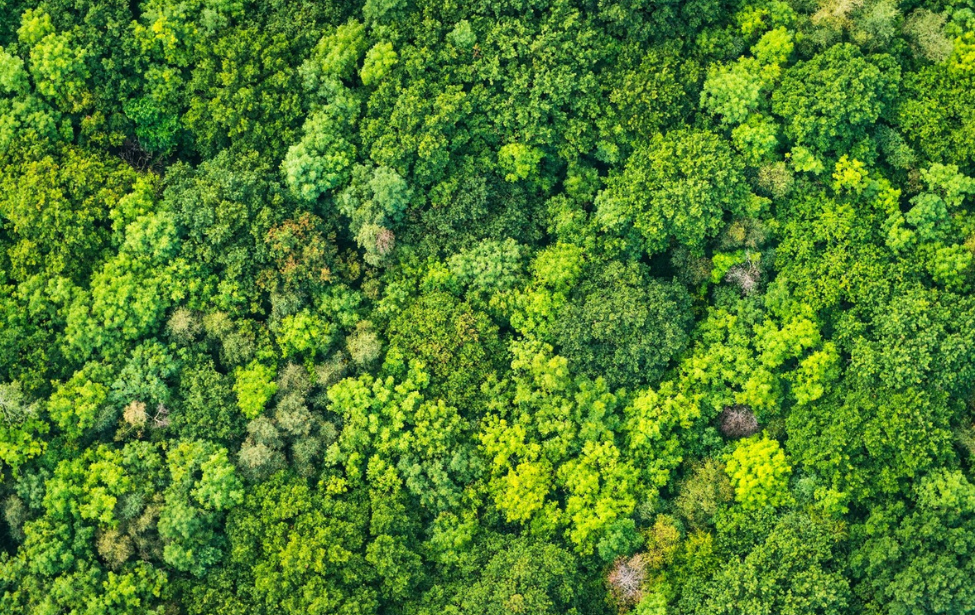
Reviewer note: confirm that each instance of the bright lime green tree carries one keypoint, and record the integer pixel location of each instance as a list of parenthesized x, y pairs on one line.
[(759, 473)]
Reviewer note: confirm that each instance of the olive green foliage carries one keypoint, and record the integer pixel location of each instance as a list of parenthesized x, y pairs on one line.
[(411, 307), (623, 325), (459, 345)]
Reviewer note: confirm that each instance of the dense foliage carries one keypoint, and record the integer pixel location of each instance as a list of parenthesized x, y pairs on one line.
[(508, 307)]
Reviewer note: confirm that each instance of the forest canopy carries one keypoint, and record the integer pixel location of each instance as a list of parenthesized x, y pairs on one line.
[(418, 307)]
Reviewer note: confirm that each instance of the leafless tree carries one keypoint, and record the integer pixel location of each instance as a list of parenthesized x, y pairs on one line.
[(385, 241), (745, 276), (14, 408), (161, 418), (737, 422), (626, 579), (135, 415), (134, 155)]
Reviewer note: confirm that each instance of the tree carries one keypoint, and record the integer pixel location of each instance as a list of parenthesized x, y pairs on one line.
[(524, 576), (744, 357), (246, 89), (375, 203), (254, 387), (647, 92), (848, 438), (20, 427), (556, 270), (206, 408), (322, 159), (304, 334), (224, 209), (702, 493), (76, 405), (378, 62), (424, 441), (829, 101), (488, 267), (676, 186), (919, 340), (733, 91), (519, 161), (129, 293), (203, 486), (918, 558), (759, 473), (566, 454), (304, 255), (553, 435), (790, 571), (56, 63), (458, 345), (57, 568), (58, 209), (623, 325), (302, 550), (935, 114)]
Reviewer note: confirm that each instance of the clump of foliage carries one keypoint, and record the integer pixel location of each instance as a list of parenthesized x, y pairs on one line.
[(422, 308)]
